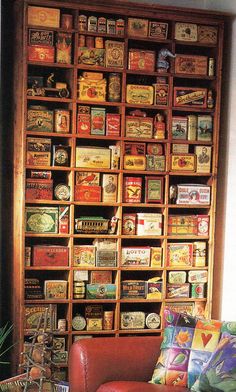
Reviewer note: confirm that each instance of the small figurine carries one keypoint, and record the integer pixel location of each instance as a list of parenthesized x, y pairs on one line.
[(210, 100), (162, 63), (159, 127), (51, 80), (173, 194), (113, 225)]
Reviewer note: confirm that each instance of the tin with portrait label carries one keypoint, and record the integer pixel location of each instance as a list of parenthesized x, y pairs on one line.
[(62, 192), (62, 121), (153, 321), (61, 325), (197, 290)]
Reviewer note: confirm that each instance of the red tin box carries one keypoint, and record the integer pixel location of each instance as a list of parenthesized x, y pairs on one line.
[(50, 255), (41, 189), (112, 124), (141, 60), (63, 223), (87, 193), (84, 123), (190, 96), (45, 54)]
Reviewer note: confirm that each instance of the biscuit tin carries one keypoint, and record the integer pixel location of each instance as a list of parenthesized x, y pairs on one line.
[(39, 119), (133, 289), (106, 258), (98, 116), (50, 255), (132, 320), (161, 94), (177, 277), (141, 127), (156, 256), (132, 189), (38, 151), (186, 32), (93, 157), (134, 162), (193, 194), (177, 290), (91, 56), (41, 189), (55, 289), (87, 193), (191, 64), (63, 48), (114, 54), (43, 16), (40, 53), (41, 220), (62, 120), (207, 34), (149, 224), (197, 276), (133, 256), (138, 27), (204, 127), (113, 124), (183, 162), (155, 162), (190, 96), (41, 37), (92, 90), (139, 94), (141, 60), (199, 254), (157, 30), (179, 254), (101, 291), (84, 255), (179, 127), (203, 159), (129, 224)]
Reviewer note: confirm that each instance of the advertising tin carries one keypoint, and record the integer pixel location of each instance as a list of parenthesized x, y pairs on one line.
[(132, 189), (62, 192), (41, 189), (82, 23), (78, 290), (129, 224), (38, 151), (87, 193), (106, 258), (199, 254), (155, 162), (193, 194), (43, 16), (138, 127), (102, 25), (132, 320), (199, 276), (153, 321), (41, 220), (141, 60), (203, 159), (81, 42), (98, 118), (101, 291), (139, 94), (114, 54), (161, 93), (133, 289), (211, 66), (183, 162), (90, 41), (108, 316), (99, 42), (61, 325), (158, 30), (207, 34), (197, 290), (177, 277), (120, 27), (93, 157), (63, 221), (39, 53), (94, 324), (83, 123), (186, 32), (92, 90), (112, 124), (191, 64), (149, 224), (190, 96), (92, 23), (63, 48), (50, 255), (177, 290), (133, 256), (66, 21), (41, 37), (62, 121), (111, 26), (192, 127), (114, 87), (138, 27)]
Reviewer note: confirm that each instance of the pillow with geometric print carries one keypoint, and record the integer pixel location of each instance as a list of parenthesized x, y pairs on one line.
[(188, 343), (219, 375)]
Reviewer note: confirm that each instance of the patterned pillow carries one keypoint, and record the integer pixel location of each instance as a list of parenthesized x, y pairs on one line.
[(220, 372), (188, 343)]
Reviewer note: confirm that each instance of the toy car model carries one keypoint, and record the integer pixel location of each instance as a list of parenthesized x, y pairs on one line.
[(36, 87)]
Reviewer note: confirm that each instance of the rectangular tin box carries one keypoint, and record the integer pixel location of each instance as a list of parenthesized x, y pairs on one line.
[(207, 34), (197, 276), (183, 162), (91, 56), (40, 53), (41, 37), (191, 64), (32, 314), (137, 27), (84, 255), (138, 94), (156, 256), (41, 189), (203, 159), (132, 320), (114, 54), (155, 162), (133, 289), (92, 90), (190, 96), (87, 193), (132, 189), (158, 30), (113, 123), (129, 224), (141, 60), (100, 291), (182, 225), (134, 162), (93, 157), (177, 277), (138, 127), (179, 254), (39, 120), (41, 220), (55, 289), (43, 16), (186, 32), (193, 194), (177, 290), (149, 224), (50, 255), (133, 256), (161, 94), (106, 258)]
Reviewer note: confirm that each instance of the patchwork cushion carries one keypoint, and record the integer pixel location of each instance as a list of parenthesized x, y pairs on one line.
[(219, 375), (188, 344)]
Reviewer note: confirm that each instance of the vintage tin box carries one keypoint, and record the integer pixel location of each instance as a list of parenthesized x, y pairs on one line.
[(50, 255), (134, 162), (141, 60), (109, 188), (177, 290), (132, 189), (190, 96), (161, 94), (156, 256), (92, 90), (38, 151), (101, 291), (84, 255), (149, 224), (155, 162), (41, 37), (129, 224), (179, 127), (137, 27), (40, 53), (113, 123), (154, 188), (139, 94), (133, 256), (204, 127), (186, 32), (203, 159), (199, 253), (138, 127), (101, 277), (94, 324), (199, 276), (183, 162), (177, 277), (98, 116), (83, 123), (191, 64), (33, 313), (87, 178), (43, 16), (193, 194), (41, 189), (154, 288), (203, 223), (105, 244), (133, 289), (91, 56), (132, 320), (106, 258), (207, 34), (87, 193), (93, 157), (63, 48), (182, 225), (39, 119), (179, 254), (157, 30), (55, 289), (41, 220), (114, 54)]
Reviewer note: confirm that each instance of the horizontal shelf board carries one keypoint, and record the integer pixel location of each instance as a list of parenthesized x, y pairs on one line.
[(94, 236), (186, 268), (150, 172), (106, 35), (47, 268), (61, 202), (139, 331), (94, 301), (46, 301), (102, 332), (51, 134), (192, 76), (147, 140), (141, 268), (54, 65), (50, 99), (180, 141), (29, 332), (85, 169), (47, 235), (99, 203), (98, 137), (185, 300), (50, 28), (139, 300), (187, 237), (144, 205), (182, 173), (188, 206), (153, 73), (94, 268), (99, 68), (56, 168), (191, 109), (103, 103), (138, 237), (191, 43), (149, 39), (151, 107)]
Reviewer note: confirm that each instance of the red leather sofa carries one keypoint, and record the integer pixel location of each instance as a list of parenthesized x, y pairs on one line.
[(122, 364)]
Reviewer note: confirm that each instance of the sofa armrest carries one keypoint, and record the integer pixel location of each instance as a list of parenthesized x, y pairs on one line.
[(93, 362)]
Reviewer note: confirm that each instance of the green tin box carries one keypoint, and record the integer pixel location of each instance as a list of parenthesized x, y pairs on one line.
[(100, 291), (39, 119), (41, 220)]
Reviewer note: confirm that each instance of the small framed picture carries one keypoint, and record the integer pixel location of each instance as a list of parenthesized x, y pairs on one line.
[(153, 189)]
